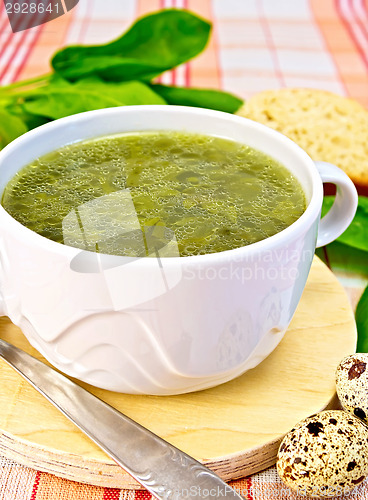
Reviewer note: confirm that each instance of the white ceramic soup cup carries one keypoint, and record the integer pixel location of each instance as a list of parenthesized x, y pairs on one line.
[(164, 325)]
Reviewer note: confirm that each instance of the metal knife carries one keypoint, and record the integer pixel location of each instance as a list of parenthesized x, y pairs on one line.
[(163, 469)]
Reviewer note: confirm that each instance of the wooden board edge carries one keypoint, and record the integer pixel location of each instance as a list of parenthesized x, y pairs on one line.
[(110, 475), (257, 459)]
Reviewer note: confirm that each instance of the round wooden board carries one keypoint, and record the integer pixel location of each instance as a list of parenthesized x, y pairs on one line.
[(234, 428)]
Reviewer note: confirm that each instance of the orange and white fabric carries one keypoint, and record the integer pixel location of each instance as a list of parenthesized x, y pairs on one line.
[(255, 45)]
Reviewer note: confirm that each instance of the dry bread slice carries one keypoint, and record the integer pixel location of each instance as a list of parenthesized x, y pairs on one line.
[(327, 126)]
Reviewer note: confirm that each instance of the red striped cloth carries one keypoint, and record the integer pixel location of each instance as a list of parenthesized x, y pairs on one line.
[(256, 45)]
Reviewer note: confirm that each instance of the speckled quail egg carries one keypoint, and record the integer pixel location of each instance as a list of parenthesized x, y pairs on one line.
[(352, 384), (324, 455)]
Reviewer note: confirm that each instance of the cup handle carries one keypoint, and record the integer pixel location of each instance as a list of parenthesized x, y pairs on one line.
[(344, 207)]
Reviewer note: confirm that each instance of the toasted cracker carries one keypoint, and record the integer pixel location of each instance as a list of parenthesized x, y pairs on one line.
[(327, 126)]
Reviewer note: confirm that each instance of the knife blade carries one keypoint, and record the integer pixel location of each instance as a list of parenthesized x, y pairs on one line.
[(163, 469)]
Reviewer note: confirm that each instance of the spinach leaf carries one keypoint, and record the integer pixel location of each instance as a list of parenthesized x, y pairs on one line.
[(154, 44), (361, 317), (30, 120), (16, 109), (356, 235), (129, 93), (344, 258), (64, 98), (11, 127), (201, 98)]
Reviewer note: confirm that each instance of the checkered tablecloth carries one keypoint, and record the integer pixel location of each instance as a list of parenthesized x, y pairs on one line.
[(256, 45)]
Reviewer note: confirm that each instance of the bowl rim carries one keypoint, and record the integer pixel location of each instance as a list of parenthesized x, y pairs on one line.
[(282, 238)]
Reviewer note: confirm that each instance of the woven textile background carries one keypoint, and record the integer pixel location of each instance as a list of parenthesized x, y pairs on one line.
[(256, 45)]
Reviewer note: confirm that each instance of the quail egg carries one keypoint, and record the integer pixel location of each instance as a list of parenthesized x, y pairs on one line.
[(324, 455), (352, 384)]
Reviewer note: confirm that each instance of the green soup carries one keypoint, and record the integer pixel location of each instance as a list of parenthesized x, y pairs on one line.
[(135, 194)]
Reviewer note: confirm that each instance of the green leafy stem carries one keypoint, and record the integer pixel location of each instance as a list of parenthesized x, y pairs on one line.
[(119, 73)]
